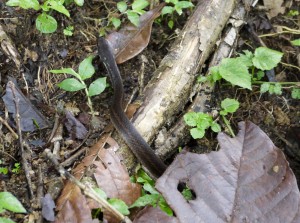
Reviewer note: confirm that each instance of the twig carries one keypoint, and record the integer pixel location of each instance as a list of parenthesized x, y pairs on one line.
[(40, 193), (24, 161), (85, 188), (4, 122)]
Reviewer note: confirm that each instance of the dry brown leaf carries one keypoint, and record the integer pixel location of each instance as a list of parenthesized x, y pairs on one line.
[(153, 215), (274, 7), (130, 40), (247, 180), (106, 166)]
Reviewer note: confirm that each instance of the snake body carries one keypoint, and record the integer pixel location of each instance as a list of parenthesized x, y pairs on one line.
[(129, 133)]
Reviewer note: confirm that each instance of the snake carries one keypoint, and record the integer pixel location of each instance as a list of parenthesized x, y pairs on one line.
[(137, 144)]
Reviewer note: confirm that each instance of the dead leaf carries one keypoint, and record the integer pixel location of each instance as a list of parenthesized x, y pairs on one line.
[(29, 115), (247, 180), (104, 165), (47, 207), (153, 215), (274, 7), (130, 40), (76, 128)]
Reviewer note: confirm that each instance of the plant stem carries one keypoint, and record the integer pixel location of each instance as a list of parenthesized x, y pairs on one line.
[(228, 125)]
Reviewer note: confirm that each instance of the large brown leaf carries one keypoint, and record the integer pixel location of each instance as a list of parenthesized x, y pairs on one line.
[(247, 180), (130, 40), (72, 205)]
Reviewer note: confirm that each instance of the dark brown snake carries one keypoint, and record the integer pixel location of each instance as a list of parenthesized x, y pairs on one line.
[(132, 137)]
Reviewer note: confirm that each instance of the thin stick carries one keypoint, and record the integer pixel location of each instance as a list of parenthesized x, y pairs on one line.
[(4, 122)]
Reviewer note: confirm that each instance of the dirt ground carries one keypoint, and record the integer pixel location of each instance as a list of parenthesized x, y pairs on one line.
[(277, 115)]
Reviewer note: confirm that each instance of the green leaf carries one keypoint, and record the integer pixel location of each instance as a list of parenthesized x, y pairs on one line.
[(86, 68), (133, 17), (260, 74), (265, 58), (6, 220), (296, 93), (277, 89), (66, 71), (100, 192), (120, 205), (148, 199), (116, 22), (167, 10), (11, 203), (149, 188), (178, 10), (79, 2), (296, 42), (246, 58), (25, 4), (71, 84), (4, 170), (57, 6), (230, 105), (235, 73), (187, 194), (97, 86), (191, 118), (122, 6), (139, 4), (215, 127), (172, 1), (203, 120), (184, 4), (68, 31), (45, 23), (164, 206), (201, 79), (264, 87), (214, 74), (197, 133), (171, 24)]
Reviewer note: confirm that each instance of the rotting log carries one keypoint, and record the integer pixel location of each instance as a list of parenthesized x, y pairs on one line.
[(168, 91)]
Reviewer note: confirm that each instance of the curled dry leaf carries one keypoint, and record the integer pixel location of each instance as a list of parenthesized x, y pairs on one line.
[(130, 40), (110, 175), (247, 180)]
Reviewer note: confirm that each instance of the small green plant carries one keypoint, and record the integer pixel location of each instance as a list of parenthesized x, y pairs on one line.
[(248, 69), (16, 169), (175, 6), (3, 170), (85, 71), (150, 195), (45, 23), (201, 121), (11, 203), (69, 31), (292, 13)]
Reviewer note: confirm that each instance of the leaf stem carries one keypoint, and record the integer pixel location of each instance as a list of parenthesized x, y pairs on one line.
[(228, 125)]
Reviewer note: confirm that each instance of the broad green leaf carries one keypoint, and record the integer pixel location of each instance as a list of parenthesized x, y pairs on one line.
[(184, 4), (265, 58), (230, 105), (25, 4), (6, 220), (296, 42), (197, 133), (122, 6), (133, 17), (167, 10), (139, 4), (45, 23), (57, 6), (150, 188), (190, 118), (116, 22), (97, 86), (215, 127), (86, 68), (214, 74), (277, 89), (178, 10), (148, 199), (11, 203), (264, 87), (71, 84), (100, 192), (164, 206), (66, 71), (79, 2), (246, 58), (120, 205), (296, 93), (203, 120), (235, 73)]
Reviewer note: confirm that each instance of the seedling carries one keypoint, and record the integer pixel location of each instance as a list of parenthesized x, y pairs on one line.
[(248, 69), (85, 71), (69, 31), (16, 169), (11, 203), (201, 121), (45, 23)]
